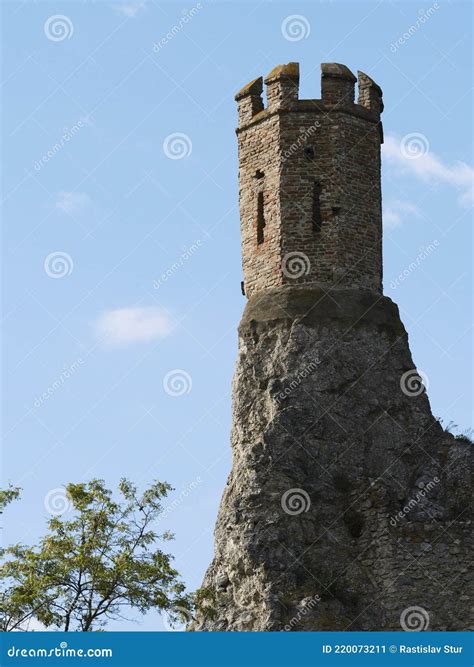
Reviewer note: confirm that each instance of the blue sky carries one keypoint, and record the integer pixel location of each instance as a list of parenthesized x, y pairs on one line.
[(121, 247)]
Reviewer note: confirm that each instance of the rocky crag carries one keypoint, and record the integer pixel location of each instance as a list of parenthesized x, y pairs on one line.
[(348, 505)]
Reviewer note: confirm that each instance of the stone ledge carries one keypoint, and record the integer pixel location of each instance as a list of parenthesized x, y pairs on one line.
[(337, 71), (323, 307), (255, 87), (316, 106), (289, 71)]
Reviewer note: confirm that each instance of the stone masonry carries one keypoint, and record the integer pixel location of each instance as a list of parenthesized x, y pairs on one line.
[(316, 163), (348, 507)]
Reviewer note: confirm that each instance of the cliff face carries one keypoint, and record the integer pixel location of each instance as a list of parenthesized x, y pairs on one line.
[(347, 505)]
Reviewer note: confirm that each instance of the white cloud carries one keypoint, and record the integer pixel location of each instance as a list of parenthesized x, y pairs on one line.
[(73, 202), (129, 9), (133, 325), (396, 212), (428, 167)]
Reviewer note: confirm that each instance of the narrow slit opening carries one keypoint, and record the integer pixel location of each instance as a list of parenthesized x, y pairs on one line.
[(316, 213), (260, 219)]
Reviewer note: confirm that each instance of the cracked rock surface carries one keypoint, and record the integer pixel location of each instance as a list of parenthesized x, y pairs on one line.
[(347, 503)]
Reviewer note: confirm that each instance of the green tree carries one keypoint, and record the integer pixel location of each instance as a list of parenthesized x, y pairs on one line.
[(88, 569), (7, 495)]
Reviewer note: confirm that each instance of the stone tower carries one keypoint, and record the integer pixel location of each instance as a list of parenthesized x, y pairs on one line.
[(309, 171), (347, 507)]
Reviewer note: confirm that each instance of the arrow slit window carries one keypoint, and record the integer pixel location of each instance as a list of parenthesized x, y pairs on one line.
[(316, 212), (260, 219)]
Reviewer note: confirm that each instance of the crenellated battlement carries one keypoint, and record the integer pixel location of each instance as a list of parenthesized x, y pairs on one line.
[(309, 173), (282, 93)]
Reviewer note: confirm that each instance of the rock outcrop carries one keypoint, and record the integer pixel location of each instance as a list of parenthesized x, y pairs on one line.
[(347, 507)]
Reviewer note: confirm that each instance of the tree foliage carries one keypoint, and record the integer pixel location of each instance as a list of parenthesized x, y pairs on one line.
[(7, 496), (90, 568)]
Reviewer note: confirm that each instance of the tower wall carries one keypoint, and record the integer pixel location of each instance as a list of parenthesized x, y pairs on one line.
[(317, 163), (259, 150)]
